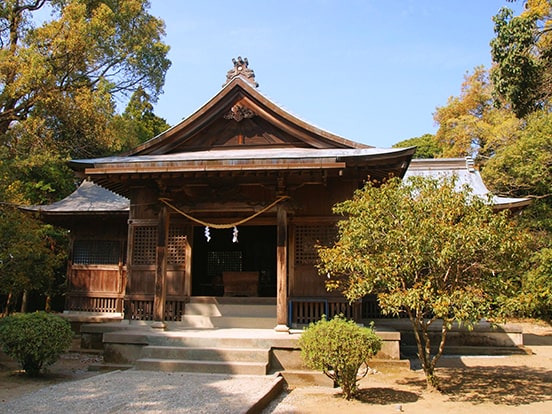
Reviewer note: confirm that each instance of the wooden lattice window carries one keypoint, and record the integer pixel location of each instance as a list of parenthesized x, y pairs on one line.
[(308, 237), (176, 245), (144, 245), (96, 252)]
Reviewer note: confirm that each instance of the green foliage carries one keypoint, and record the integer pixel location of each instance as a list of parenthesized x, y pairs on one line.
[(470, 124), (59, 80), (138, 123), (524, 168), (537, 285), (64, 64), (430, 251), (535, 298), (426, 146), (519, 71), (339, 348), (30, 255), (35, 340)]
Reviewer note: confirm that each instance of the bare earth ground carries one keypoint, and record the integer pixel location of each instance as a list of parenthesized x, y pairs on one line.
[(474, 385)]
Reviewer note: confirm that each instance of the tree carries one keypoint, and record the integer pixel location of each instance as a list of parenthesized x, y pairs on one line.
[(59, 81), (64, 64), (470, 124), (29, 256), (430, 251), (522, 53), (138, 123), (524, 169), (94, 50), (427, 146)]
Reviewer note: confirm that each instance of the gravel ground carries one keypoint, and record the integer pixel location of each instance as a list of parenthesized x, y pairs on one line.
[(135, 391)]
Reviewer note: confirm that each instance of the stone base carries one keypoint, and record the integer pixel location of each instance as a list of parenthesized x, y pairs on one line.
[(160, 325), (282, 328)]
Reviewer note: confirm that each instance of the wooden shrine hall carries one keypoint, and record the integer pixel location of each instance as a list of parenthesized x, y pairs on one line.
[(230, 202)]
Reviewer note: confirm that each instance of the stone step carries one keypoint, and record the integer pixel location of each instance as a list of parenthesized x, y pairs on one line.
[(410, 351), (211, 367), (206, 354)]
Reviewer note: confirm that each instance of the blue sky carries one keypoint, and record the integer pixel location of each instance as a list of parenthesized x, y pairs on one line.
[(371, 71)]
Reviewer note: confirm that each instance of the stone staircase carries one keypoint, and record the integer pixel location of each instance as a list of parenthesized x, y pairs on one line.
[(205, 355), (209, 354), (216, 335)]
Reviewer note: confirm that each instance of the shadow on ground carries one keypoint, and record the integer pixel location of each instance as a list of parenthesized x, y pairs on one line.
[(385, 396), (508, 385)]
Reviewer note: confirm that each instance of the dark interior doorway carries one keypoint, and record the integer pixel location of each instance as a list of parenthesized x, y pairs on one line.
[(255, 251)]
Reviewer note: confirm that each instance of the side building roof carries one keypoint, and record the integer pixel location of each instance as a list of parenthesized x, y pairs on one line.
[(464, 169), (88, 198)]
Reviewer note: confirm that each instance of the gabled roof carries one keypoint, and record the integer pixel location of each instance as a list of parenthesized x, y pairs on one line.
[(240, 116), (240, 129), (466, 173)]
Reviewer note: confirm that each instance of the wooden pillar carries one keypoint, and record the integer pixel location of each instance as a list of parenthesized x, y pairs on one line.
[(161, 271), (188, 262), (281, 270)]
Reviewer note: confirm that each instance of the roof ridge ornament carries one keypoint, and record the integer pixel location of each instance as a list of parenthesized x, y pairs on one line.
[(241, 68)]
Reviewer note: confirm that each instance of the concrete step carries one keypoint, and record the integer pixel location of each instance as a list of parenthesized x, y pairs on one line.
[(220, 309), (211, 367), (206, 354), (227, 322), (210, 342)]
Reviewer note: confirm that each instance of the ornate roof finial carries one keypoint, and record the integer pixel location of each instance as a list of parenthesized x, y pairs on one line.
[(241, 69)]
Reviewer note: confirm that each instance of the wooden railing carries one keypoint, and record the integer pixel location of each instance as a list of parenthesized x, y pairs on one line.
[(142, 310), (139, 310), (174, 309), (371, 310), (303, 311), (91, 303)]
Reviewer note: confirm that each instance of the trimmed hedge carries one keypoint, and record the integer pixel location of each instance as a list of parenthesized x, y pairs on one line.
[(35, 340)]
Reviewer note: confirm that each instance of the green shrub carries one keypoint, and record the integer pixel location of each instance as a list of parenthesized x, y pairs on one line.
[(35, 340), (339, 348)]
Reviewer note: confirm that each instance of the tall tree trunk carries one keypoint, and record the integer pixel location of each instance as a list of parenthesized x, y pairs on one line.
[(8, 302), (423, 345), (24, 301)]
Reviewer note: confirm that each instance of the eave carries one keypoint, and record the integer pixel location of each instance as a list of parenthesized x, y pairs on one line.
[(108, 171)]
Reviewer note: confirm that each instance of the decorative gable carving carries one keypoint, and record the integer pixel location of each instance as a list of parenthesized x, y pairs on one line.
[(239, 113)]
